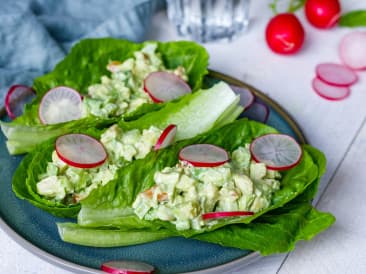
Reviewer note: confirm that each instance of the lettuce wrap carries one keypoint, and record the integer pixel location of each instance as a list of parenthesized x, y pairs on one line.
[(193, 114), (107, 219), (84, 66)]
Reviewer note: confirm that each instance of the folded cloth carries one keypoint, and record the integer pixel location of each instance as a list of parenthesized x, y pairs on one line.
[(36, 34)]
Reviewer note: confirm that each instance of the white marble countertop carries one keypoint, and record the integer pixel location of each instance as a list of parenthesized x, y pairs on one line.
[(337, 128)]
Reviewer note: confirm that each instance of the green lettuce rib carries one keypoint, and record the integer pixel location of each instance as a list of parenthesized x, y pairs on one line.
[(24, 138), (275, 232), (83, 67), (72, 233)]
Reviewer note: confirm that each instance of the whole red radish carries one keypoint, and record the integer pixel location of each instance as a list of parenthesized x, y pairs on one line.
[(323, 13), (285, 34)]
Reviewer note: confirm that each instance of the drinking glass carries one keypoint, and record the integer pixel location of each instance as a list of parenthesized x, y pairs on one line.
[(209, 20)]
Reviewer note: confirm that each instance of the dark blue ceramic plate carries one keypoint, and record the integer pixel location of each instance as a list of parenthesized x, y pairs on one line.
[(36, 230)]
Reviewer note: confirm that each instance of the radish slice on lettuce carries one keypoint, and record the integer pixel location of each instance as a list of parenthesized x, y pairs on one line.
[(333, 93), (127, 267), (60, 104), (204, 155), (165, 86), (246, 96), (80, 150), (353, 50), (258, 111), (276, 151), (16, 98), (166, 138), (225, 214), (335, 74)]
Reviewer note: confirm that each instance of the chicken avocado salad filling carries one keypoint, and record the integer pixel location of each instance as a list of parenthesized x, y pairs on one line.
[(183, 193), (62, 182), (123, 92)]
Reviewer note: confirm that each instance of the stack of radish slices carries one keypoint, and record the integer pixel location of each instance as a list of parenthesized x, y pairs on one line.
[(332, 80), (254, 108)]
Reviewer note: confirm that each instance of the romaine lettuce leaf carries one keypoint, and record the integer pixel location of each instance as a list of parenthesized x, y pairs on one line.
[(137, 177), (84, 66), (274, 232)]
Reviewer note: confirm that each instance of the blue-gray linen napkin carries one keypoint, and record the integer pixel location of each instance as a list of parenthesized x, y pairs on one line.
[(36, 34)]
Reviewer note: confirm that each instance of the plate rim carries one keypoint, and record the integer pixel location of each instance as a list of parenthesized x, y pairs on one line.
[(243, 261)]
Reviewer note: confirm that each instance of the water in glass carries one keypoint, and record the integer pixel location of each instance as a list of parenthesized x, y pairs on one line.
[(209, 20)]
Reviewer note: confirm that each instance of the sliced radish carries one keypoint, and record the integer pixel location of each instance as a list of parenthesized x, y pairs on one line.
[(246, 96), (60, 104), (165, 86), (257, 112), (276, 151), (335, 74), (353, 50), (16, 98), (166, 138), (127, 267), (204, 155), (330, 92), (80, 150), (225, 214)]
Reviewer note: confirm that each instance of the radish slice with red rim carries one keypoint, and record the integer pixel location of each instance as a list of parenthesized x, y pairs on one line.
[(225, 214), (258, 112), (330, 92), (336, 74), (352, 50), (246, 96), (166, 138), (127, 267), (80, 150), (59, 105), (165, 86), (16, 98), (276, 151), (204, 155)]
